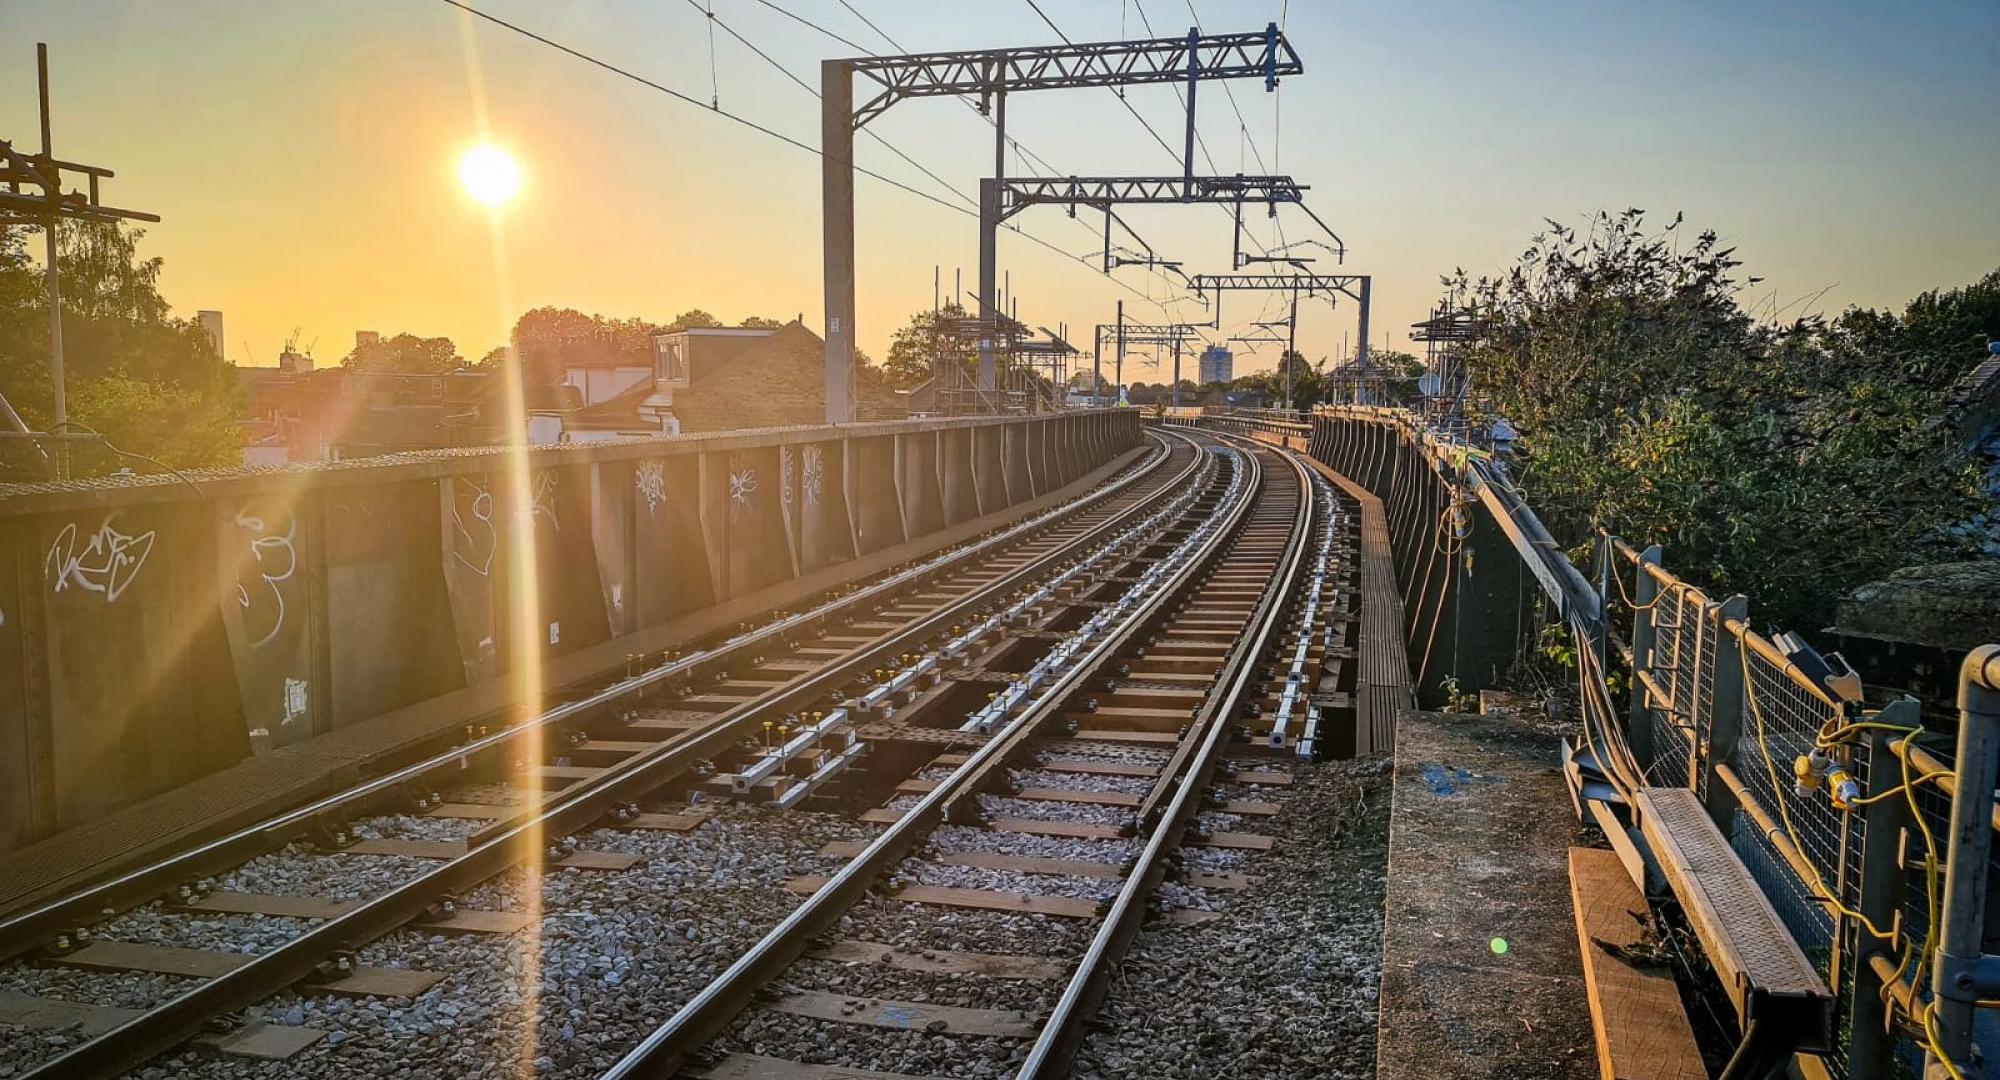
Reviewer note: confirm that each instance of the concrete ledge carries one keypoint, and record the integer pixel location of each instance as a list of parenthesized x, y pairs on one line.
[(1481, 975)]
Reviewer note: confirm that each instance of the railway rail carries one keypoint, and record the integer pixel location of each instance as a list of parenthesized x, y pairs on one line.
[(719, 697), (1117, 784)]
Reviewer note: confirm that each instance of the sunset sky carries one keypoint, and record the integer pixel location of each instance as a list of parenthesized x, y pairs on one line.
[(303, 155)]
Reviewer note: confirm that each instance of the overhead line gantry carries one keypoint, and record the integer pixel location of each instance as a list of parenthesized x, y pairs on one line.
[(992, 74), (1355, 286)]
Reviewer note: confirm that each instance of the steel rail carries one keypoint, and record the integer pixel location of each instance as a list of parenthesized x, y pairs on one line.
[(24, 931), (167, 1025), (710, 1012), (1063, 1032)]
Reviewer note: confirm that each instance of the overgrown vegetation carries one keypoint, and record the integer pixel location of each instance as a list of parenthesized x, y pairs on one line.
[(1788, 462), (147, 381)]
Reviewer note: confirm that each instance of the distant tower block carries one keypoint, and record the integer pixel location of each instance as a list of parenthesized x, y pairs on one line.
[(1217, 365), (211, 324)]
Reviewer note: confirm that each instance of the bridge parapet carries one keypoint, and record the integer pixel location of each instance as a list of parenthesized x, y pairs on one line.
[(158, 628)]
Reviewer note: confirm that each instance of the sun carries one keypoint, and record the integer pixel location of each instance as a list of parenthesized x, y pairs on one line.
[(489, 174)]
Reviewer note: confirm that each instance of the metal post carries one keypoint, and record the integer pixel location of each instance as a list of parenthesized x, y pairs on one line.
[(1118, 365), (1361, 354), (1193, 80), (1871, 1048), (1956, 982), (1291, 347), (1725, 717), (989, 246), (1645, 591), (989, 308), (1097, 367), (836, 140), (52, 273), (1177, 371)]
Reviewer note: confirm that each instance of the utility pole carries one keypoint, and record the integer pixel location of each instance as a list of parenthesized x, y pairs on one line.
[(48, 208), (1118, 394), (1177, 373), (836, 174), (1291, 347)]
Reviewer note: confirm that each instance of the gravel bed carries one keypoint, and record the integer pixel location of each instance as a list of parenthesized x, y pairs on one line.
[(1215, 821), (1037, 778), (924, 926), (613, 954), (917, 872), (1285, 985), (968, 838), (936, 988), (1214, 860), (1048, 810), (296, 871), (23, 1048), (157, 924), (417, 827), (1173, 894), (1097, 753), (817, 1042)]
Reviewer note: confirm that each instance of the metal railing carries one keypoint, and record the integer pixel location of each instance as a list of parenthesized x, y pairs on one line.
[(1852, 820)]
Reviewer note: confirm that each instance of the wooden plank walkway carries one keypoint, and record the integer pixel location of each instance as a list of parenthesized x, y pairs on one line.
[(1383, 683)]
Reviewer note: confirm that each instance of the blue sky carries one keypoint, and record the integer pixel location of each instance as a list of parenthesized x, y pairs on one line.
[(301, 153)]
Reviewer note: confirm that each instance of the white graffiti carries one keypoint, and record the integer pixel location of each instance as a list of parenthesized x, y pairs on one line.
[(543, 505), (742, 485), (108, 563), (786, 471), (650, 478), (809, 475), (475, 540), (277, 560)]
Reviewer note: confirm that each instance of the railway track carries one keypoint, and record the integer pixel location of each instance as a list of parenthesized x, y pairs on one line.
[(692, 723), (977, 932)]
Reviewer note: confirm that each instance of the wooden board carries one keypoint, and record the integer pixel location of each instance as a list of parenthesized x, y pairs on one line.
[(207, 964), (313, 907), (475, 811), (1241, 841), (452, 849), (1268, 779), (907, 1015), (1249, 809), (267, 1042), (942, 961), (1642, 1031)]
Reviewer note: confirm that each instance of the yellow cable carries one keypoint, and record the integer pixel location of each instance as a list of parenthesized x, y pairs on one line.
[(1900, 788), (1931, 1037)]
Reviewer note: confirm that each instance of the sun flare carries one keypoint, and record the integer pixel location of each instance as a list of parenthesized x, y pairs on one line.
[(489, 174)]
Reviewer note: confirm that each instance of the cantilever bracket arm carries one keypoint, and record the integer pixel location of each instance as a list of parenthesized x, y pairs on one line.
[(1263, 54)]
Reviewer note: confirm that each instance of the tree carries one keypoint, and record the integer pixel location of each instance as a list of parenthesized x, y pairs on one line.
[(1786, 462), (924, 341), (404, 354), (153, 384)]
